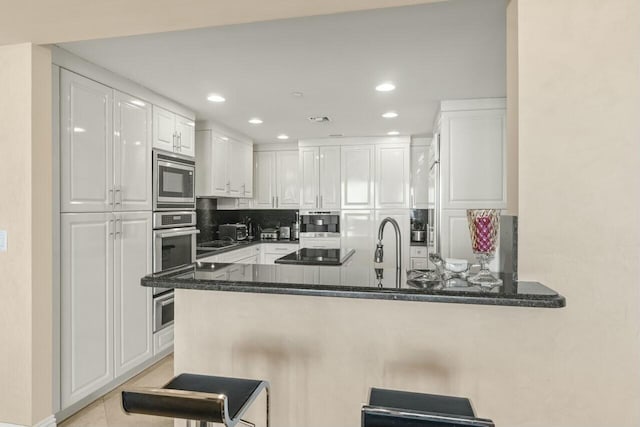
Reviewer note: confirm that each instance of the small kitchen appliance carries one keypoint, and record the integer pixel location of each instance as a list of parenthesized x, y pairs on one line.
[(269, 234), (285, 233), (235, 232)]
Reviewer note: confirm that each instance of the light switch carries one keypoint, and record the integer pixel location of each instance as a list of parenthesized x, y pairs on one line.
[(3, 240)]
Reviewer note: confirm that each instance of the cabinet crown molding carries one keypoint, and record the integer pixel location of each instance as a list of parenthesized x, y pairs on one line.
[(356, 140), (473, 104)]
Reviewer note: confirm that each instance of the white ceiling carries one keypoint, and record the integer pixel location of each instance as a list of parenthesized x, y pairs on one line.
[(449, 50)]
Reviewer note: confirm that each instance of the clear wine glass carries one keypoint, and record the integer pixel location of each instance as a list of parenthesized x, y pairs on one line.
[(483, 226)]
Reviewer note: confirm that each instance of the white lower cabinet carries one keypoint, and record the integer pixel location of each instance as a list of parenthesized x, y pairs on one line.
[(163, 340), (320, 242), (105, 313), (357, 233), (272, 251)]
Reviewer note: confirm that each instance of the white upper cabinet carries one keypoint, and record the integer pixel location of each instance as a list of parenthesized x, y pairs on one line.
[(320, 177), (287, 180), (86, 304), (224, 166), (265, 179), (172, 132), (309, 177), (133, 327), (420, 176), (185, 132), (86, 145), (357, 171), (392, 175), (164, 129), (329, 181), (132, 153), (473, 158)]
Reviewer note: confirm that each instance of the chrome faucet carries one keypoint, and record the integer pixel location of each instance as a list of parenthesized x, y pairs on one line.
[(379, 253)]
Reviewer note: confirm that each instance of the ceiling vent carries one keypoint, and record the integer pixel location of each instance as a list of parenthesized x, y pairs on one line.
[(320, 119)]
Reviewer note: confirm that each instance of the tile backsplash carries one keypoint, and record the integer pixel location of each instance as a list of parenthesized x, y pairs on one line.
[(209, 218)]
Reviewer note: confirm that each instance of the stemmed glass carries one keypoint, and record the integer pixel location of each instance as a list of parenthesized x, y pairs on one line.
[(483, 226)]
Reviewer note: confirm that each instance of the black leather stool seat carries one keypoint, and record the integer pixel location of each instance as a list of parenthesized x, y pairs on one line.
[(197, 397), (393, 408)]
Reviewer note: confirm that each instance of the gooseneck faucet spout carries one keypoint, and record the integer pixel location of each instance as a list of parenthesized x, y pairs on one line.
[(379, 253)]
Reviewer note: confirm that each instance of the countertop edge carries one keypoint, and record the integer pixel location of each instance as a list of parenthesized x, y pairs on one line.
[(556, 301)]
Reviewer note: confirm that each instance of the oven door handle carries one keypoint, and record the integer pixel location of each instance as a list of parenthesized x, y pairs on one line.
[(164, 234), (166, 302)]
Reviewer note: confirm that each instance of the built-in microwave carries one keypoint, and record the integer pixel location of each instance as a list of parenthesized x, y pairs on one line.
[(173, 181), (163, 311)]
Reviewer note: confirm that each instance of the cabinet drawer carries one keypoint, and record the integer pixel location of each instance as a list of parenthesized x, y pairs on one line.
[(279, 248), (419, 251), (419, 264), (321, 243)]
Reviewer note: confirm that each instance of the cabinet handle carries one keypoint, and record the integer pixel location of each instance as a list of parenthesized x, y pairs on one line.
[(317, 205), (118, 192), (321, 202), (277, 201), (110, 226), (175, 137), (273, 201), (110, 196), (118, 233), (180, 141)]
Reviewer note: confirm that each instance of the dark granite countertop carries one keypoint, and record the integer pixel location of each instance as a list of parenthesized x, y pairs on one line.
[(311, 256), (242, 244), (351, 280)]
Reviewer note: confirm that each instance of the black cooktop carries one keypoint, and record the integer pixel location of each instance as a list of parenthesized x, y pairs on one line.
[(308, 256)]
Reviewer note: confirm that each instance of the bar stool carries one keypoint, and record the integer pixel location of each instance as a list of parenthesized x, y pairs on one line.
[(392, 408), (199, 398)]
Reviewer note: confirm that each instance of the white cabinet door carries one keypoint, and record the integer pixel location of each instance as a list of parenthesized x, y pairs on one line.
[(164, 129), (288, 187), (393, 175), (247, 167), (357, 233), (329, 185), (204, 163), (236, 169), (264, 180), (86, 336), (473, 159), (420, 177), (133, 312), (185, 132), (132, 153), (309, 175), (220, 166), (357, 167), (389, 241), (455, 240), (86, 145)]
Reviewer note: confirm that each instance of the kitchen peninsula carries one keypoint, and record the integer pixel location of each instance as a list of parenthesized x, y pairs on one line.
[(323, 335)]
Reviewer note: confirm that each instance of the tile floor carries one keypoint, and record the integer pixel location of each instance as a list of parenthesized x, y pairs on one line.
[(107, 411)]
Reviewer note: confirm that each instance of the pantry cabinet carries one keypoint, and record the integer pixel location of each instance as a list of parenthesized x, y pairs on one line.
[(172, 132), (105, 313), (105, 148), (224, 166)]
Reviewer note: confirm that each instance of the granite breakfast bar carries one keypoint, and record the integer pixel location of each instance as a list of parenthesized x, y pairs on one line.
[(323, 335)]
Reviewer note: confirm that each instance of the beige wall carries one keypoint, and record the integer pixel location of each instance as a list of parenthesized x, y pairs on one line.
[(579, 141), (512, 107), (25, 212)]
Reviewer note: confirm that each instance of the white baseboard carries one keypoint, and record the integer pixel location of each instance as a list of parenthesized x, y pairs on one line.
[(50, 421)]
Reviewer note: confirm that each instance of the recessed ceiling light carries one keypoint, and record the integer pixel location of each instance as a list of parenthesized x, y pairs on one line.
[(79, 130), (138, 103), (393, 133), (224, 138), (214, 97), (283, 136), (255, 121), (297, 94), (385, 87), (390, 115)]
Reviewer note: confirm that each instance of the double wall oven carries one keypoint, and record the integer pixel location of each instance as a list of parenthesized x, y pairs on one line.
[(174, 230)]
